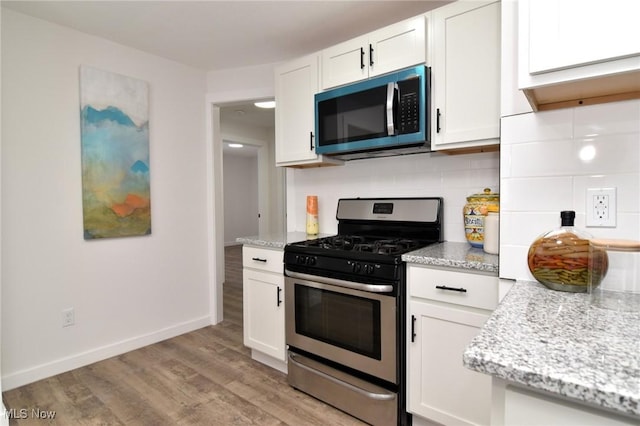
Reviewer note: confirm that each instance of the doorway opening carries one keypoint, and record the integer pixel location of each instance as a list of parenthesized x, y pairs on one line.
[(235, 121)]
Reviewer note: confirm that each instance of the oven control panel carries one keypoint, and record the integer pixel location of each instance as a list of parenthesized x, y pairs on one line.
[(364, 268), (326, 265), (301, 259)]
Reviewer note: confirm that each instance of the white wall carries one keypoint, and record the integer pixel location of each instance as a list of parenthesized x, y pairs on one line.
[(250, 80), (126, 292), (269, 180), (453, 177), (4, 420), (240, 197), (542, 174)]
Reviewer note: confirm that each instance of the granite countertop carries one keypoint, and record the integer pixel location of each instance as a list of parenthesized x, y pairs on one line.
[(454, 255), (558, 342), (448, 254), (278, 240)]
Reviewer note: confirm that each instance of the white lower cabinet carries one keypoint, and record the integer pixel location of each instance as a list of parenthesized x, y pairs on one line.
[(263, 304), (516, 406), (443, 318)]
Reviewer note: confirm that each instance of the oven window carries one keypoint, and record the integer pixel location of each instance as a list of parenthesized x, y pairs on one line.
[(346, 321)]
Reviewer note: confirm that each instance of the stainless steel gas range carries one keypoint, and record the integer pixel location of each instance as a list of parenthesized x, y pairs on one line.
[(346, 304)]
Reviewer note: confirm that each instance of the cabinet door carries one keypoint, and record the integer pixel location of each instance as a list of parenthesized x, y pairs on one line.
[(397, 46), (569, 33), (263, 311), (466, 75), (295, 85), (573, 53), (345, 62), (440, 387)]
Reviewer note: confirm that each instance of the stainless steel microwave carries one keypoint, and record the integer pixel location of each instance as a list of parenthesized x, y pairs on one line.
[(386, 115)]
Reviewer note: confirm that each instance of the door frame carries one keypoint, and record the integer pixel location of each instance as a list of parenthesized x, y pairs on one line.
[(215, 195)]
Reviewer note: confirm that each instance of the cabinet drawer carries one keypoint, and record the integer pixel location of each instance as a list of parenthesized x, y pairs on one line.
[(461, 288), (263, 259)]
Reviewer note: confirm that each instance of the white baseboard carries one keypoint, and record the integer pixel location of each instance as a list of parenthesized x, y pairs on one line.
[(33, 374), (269, 361), (4, 418)]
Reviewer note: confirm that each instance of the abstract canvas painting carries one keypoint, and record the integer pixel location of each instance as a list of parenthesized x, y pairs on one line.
[(116, 194)]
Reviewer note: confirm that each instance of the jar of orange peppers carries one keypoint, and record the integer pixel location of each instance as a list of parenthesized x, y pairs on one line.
[(560, 259)]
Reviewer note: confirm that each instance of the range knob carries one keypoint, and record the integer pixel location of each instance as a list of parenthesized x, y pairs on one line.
[(368, 269), (311, 260), (355, 267)]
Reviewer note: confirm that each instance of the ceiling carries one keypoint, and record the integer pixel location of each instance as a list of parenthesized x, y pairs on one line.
[(215, 34)]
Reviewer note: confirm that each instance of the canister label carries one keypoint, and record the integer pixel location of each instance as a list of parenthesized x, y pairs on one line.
[(474, 228)]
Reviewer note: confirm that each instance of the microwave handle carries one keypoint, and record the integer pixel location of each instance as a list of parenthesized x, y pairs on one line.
[(392, 90)]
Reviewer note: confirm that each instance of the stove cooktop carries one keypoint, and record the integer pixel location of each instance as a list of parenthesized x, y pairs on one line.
[(363, 244)]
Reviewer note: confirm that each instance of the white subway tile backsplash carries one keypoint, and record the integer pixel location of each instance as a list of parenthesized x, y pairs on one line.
[(612, 154), (607, 119), (523, 228), (453, 177), (537, 159), (543, 194), (542, 126), (513, 262), (505, 161), (544, 169)]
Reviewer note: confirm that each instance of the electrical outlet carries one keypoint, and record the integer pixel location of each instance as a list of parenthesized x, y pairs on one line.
[(601, 209), (68, 317)]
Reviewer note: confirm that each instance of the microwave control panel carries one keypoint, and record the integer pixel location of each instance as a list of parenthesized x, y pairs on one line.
[(409, 106)]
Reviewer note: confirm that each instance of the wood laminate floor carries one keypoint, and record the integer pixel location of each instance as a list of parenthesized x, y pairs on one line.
[(205, 377)]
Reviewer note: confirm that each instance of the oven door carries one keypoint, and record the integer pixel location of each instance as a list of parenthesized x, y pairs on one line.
[(351, 327)]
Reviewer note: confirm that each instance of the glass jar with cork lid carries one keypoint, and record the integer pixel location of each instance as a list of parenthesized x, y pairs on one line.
[(614, 279)]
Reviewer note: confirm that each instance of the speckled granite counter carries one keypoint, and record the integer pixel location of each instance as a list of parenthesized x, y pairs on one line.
[(277, 240), (454, 255), (557, 342)]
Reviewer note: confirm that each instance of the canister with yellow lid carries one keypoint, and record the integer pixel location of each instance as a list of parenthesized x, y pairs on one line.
[(475, 212)]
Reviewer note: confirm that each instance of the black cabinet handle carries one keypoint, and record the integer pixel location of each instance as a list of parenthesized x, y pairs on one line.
[(444, 287), (370, 54), (278, 300), (438, 120), (413, 328), (361, 58), (257, 259), (310, 141)]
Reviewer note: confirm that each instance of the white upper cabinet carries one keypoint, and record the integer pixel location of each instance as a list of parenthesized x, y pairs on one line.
[(388, 49), (296, 83), (588, 51), (465, 84)]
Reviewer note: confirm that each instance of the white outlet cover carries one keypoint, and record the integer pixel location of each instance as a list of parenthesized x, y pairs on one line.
[(593, 208)]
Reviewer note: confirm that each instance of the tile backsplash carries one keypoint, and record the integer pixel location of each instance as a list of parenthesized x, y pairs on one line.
[(547, 162), (453, 177)]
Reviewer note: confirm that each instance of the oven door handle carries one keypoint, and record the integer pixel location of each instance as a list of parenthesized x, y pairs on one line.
[(371, 288), (370, 395)]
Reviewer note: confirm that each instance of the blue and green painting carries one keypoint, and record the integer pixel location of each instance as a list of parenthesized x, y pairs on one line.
[(116, 195)]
